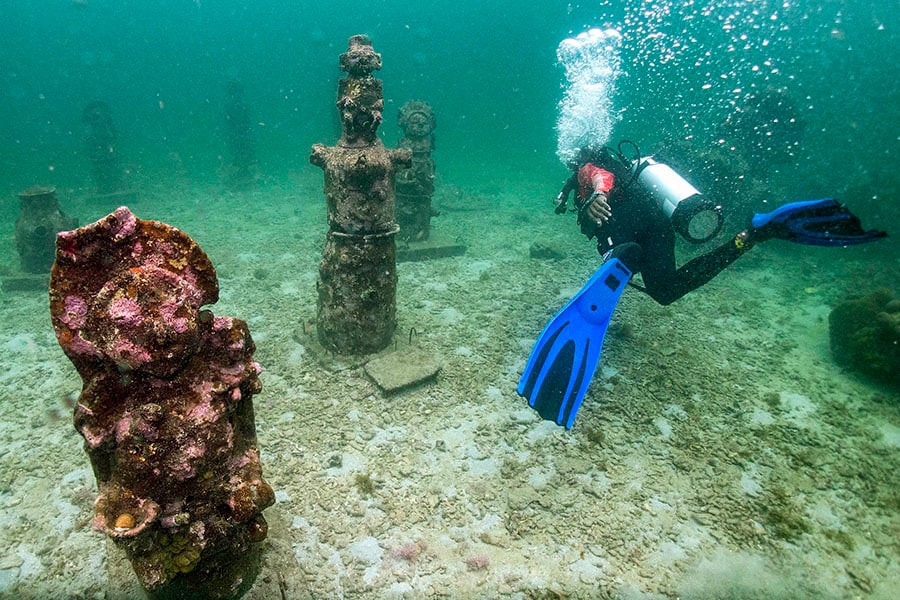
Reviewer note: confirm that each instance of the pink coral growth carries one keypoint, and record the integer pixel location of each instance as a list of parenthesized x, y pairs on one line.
[(205, 412), (478, 562), (409, 552), (75, 312), (93, 436), (221, 323), (126, 311), (123, 428), (239, 462), (79, 345), (123, 224), (168, 313), (127, 353)]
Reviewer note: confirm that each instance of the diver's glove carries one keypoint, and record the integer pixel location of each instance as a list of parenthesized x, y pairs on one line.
[(559, 204), (751, 236), (759, 230)]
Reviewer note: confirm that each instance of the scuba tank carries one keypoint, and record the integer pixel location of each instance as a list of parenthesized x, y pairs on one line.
[(696, 218)]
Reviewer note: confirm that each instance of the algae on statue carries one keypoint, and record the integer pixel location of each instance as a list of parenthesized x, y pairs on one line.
[(357, 284), (166, 410)]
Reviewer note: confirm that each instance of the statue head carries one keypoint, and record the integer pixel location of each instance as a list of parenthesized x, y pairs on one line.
[(360, 99), (417, 119), (360, 59)]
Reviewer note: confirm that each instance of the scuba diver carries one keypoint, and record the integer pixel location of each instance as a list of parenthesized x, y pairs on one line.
[(653, 203), (634, 206)]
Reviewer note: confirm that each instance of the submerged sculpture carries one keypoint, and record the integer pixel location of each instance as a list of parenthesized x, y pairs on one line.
[(241, 172), (166, 411), (102, 147), (40, 219), (415, 186), (357, 285)]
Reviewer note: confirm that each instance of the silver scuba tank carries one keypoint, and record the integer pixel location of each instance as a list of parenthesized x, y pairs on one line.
[(694, 217)]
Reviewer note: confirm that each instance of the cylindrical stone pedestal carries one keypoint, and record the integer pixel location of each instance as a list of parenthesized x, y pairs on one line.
[(357, 287)]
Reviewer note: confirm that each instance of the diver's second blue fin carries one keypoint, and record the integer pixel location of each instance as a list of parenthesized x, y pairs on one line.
[(565, 356), (824, 222)]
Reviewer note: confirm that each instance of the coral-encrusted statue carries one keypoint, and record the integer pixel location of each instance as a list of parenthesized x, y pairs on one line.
[(865, 335), (166, 410), (358, 274), (415, 186)]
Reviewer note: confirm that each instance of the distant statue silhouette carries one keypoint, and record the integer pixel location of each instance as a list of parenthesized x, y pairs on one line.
[(101, 145), (242, 167)]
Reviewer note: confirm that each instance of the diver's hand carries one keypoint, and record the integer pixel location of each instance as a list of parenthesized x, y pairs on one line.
[(597, 208)]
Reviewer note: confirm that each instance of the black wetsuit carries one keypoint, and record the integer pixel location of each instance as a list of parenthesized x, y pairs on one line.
[(641, 235)]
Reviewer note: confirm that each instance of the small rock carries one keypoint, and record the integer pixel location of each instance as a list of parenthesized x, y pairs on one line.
[(543, 252), (10, 561), (493, 539), (399, 370)]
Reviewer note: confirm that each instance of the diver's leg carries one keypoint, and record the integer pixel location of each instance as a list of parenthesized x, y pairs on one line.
[(654, 258), (694, 273), (661, 278), (630, 254), (656, 264), (656, 269)]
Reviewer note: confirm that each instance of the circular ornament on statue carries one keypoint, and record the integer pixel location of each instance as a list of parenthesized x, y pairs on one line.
[(145, 319)]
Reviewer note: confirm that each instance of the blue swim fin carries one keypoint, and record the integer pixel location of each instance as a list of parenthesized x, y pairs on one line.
[(565, 356), (824, 222)]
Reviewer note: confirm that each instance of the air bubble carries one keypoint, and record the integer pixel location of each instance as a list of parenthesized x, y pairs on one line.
[(586, 117)]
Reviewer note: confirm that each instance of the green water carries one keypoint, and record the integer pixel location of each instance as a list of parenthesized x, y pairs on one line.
[(487, 67)]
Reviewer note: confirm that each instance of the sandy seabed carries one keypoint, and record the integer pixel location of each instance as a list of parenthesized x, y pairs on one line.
[(720, 452)]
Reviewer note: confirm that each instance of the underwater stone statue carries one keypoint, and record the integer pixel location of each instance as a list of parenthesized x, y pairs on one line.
[(166, 410), (102, 147), (40, 219), (241, 172), (415, 186), (357, 284)]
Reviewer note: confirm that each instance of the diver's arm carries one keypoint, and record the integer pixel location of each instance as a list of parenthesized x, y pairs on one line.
[(595, 184), (563, 197)]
